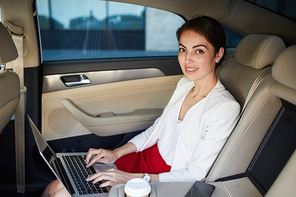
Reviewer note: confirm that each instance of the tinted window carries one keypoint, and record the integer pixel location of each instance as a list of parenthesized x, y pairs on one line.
[(286, 8), (232, 39), (91, 29)]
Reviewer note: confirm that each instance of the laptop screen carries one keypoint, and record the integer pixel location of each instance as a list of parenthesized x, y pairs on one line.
[(44, 149), (42, 145), (48, 154)]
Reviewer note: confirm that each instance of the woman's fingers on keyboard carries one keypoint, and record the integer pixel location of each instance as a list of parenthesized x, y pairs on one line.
[(105, 179), (111, 176), (90, 158)]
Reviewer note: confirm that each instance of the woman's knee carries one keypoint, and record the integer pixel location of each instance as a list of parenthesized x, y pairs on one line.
[(57, 184), (52, 188), (61, 193)]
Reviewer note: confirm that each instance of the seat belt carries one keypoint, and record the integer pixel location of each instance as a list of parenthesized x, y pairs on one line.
[(18, 36), (250, 93)]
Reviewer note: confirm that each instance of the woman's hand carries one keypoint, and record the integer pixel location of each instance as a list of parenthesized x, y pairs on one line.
[(108, 156), (112, 177), (101, 155)]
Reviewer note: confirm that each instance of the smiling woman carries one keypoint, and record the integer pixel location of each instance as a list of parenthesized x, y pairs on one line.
[(184, 141), (212, 32), (197, 56), (128, 51), (201, 48), (198, 61)]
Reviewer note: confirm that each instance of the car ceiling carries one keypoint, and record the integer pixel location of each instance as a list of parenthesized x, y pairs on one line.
[(236, 15)]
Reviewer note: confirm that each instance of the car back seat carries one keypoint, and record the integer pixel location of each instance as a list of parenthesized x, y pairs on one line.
[(277, 146), (253, 57), (284, 87)]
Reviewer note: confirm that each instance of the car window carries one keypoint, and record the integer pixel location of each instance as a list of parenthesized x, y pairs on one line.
[(232, 38), (92, 29), (284, 7)]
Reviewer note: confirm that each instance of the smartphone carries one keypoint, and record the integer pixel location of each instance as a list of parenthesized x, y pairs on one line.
[(200, 189)]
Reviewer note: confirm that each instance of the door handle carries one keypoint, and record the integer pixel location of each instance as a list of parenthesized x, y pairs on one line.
[(75, 80)]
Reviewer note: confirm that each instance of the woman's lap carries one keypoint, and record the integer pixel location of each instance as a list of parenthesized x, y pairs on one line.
[(147, 161)]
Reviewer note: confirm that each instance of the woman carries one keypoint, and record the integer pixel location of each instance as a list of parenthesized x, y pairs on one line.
[(184, 141)]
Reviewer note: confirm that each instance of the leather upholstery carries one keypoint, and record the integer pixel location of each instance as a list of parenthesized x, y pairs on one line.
[(9, 81), (284, 72), (286, 181), (238, 76), (235, 157), (242, 187), (258, 50), (248, 134), (8, 51), (250, 60), (9, 96)]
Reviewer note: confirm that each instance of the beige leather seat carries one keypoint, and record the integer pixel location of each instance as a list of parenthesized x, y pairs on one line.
[(236, 156), (9, 81), (253, 56), (284, 87), (285, 183)]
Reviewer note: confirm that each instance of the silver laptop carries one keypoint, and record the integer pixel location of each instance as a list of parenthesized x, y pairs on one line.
[(70, 168)]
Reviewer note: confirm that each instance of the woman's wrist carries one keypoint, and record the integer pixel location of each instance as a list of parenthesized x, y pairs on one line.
[(154, 177), (116, 154), (124, 150), (119, 152)]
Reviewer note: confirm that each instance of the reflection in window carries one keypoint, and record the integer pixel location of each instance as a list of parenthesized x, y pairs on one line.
[(87, 29)]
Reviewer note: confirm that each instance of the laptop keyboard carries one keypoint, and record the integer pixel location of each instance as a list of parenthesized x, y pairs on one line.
[(77, 167)]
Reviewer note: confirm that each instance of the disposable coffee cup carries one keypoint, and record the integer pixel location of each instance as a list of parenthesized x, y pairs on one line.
[(137, 187)]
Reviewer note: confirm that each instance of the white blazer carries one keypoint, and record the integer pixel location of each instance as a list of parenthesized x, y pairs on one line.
[(202, 137)]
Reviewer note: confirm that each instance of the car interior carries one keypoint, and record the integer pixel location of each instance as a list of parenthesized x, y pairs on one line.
[(10, 85), (93, 74)]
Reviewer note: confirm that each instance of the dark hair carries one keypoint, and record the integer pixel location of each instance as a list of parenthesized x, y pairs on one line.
[(210, 29)]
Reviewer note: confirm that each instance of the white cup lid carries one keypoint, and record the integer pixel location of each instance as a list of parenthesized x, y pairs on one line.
[(137, 187)]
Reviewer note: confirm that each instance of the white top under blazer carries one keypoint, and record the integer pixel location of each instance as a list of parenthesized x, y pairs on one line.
[(191, 146)]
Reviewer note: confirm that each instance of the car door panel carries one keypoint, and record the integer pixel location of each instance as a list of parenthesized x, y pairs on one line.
[(109, 123), (65, 81), (105, 109)]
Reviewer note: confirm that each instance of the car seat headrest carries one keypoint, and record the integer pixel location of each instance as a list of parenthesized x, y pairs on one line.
[(284, 72), (258, 50), (8, 51), (284, 68)]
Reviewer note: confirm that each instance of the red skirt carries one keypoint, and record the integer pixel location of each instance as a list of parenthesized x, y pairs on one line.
[(148, 161)]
